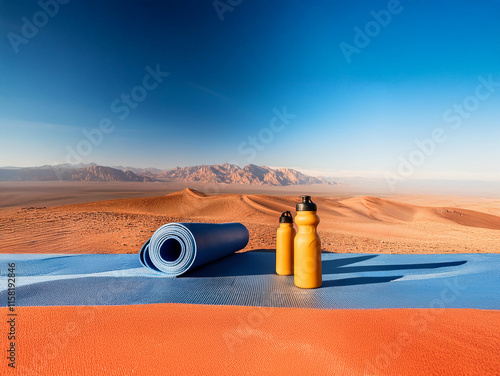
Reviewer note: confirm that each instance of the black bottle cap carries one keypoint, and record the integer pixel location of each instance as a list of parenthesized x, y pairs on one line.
[(286, 217), (306, 204)]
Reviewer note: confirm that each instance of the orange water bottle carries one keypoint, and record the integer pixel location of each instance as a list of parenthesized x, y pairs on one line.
[(307, 246), (284, 245)]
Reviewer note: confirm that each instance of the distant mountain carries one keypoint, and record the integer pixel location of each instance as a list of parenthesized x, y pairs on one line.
[(250, 174), (33, 173), (100, 173), (222, 173), (149, 171), (64, 172)]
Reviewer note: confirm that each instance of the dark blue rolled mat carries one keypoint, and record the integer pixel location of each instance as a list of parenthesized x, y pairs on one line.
[(176, 248)]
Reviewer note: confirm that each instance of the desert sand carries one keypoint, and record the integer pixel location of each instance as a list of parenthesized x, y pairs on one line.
[(85, 222), (202, 340), (205, 339)]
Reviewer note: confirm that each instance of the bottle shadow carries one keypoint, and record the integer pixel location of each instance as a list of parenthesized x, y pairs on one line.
[(358, 281), (332, 266), (339, 267), (262, 262), (257, 262)]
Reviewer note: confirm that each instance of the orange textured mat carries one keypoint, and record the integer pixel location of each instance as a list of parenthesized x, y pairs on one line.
[(171, 339)]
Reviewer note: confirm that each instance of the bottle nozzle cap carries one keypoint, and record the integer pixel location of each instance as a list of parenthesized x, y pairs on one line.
[(306, 204), (286, 217)]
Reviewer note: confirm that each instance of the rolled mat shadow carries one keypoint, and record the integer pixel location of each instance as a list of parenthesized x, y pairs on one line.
[(176, 248)]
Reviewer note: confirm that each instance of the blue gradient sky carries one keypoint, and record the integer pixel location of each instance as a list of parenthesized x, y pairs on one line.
[(226, 77)]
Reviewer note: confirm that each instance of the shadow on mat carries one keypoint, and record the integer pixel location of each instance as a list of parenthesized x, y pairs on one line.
[(264, 262), (332, 266), (359, 281), (237, 264), (257, 263), (336, 263)]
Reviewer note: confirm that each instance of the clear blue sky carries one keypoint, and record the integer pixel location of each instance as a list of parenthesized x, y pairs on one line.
[(226, 77)]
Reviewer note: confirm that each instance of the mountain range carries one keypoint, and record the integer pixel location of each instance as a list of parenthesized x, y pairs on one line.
[(68, 172), (221, 173)]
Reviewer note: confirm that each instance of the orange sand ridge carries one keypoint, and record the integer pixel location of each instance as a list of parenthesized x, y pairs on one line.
[(173, 339), (348, 224)]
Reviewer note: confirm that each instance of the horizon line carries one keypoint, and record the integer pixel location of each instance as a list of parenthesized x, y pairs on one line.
[(318, 173)]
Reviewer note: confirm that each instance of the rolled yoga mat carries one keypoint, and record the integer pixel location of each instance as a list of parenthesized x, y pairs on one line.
[(176, 248)]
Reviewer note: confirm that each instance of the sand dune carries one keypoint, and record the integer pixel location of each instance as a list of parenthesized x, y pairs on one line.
[(194, 204), (387, 210), (361, 224)]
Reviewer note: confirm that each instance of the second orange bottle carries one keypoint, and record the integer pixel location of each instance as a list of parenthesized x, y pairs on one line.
[(284, 245)]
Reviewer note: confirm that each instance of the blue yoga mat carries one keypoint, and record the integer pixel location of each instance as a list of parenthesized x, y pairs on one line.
[(350, 280), (176, 248)]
